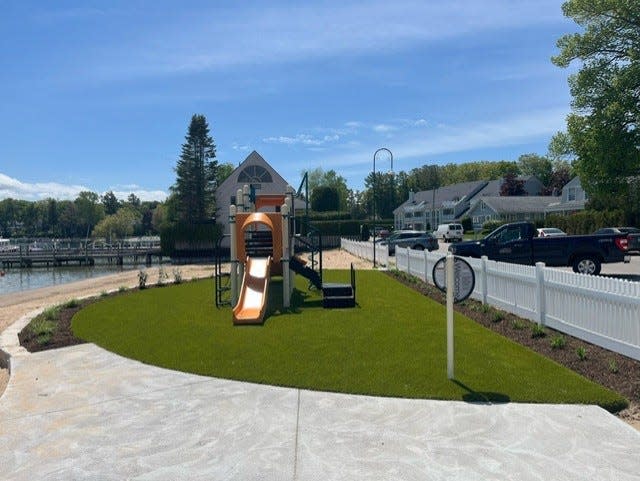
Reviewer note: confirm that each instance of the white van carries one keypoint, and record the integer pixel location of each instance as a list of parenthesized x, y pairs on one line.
[(449, 232)]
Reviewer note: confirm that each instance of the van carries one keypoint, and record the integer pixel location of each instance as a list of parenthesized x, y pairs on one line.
[(449, 232)]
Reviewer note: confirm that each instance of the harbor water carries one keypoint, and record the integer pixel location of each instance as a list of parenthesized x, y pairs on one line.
[(18, 280)]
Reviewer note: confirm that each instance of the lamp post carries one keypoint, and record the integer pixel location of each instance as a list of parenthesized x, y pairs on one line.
[(374, 196)]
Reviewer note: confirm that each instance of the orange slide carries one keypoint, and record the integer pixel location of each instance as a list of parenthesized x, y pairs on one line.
[(252, 304)]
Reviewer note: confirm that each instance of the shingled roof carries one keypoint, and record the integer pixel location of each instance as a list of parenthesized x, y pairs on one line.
[(517, 204)]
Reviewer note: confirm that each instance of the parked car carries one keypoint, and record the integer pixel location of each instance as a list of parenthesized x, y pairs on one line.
[(550, 232), (633, 236), (449, 232), (516, 243), (413, 239)]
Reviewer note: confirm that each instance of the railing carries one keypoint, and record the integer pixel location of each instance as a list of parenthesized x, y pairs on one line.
[(599, 310)]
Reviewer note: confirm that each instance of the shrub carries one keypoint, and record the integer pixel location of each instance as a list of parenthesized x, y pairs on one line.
[(122, 288), (177, 276), (613, 366), (70, 304), (162, 276), (43, 329), (537, 331), (51, 313), (518, 325), (582, 353), (104, 294), (142, 279), (497, 316), (491, 225), (558, 342)]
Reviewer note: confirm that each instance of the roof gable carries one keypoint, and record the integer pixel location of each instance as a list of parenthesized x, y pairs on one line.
[(247, 168)]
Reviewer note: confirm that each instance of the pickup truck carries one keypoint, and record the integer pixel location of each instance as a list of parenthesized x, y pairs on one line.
[(517, 243)]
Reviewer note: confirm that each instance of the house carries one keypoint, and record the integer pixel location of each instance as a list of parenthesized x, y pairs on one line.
[(509, 209), (262, 179), (426, 209), (573, 199)]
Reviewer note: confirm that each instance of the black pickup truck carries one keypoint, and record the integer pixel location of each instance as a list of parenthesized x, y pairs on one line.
[(517, 243)]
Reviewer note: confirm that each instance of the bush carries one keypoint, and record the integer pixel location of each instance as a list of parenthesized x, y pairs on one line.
[(43, 329), (491, 225), (558, 342), (537, 331), (197, 240), (162, 276), (177, 276), (582, 353), (70, 304), (142, 279), (467, 223)]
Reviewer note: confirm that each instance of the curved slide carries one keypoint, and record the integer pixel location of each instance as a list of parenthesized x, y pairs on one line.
[(252, 303)]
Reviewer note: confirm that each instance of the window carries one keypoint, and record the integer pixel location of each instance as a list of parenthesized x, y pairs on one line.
[(571, 193), (254, 174)]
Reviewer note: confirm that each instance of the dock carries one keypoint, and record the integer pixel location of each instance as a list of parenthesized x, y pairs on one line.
[(23, 256)]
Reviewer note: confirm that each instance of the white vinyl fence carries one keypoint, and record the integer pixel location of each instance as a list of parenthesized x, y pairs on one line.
[(599, 310), (364, 250)]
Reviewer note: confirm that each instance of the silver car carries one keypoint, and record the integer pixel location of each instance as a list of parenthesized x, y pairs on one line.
[(413, 239)]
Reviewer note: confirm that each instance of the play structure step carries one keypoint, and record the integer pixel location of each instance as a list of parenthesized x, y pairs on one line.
[(338, 295), (333, 289)]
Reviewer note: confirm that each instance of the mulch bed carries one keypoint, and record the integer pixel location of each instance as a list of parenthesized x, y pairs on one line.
[(62, 336)]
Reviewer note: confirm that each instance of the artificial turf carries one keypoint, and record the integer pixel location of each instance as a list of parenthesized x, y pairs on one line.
[(393, 343)]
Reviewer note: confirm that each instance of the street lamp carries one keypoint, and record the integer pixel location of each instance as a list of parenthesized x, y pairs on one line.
[(374, 196)]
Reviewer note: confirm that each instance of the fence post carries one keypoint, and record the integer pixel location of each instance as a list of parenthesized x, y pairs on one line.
[(540, 306), (483, 277), (426, 266)]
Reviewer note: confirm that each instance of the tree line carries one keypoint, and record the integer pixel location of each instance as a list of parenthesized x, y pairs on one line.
[(329, 191)]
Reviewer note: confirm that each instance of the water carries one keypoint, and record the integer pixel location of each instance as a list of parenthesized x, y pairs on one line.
[(18, 280)]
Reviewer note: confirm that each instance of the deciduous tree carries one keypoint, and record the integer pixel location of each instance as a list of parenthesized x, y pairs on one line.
[(603, 127)]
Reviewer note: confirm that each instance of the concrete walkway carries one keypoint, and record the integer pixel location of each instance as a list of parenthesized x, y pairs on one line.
[(85, 413)]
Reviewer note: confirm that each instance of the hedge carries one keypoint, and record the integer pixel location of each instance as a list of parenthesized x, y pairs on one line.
[(184, 240)]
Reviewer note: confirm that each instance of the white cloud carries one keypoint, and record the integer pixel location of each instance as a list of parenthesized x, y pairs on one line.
[(384, 128), (16, 189), (276, 35), (240, 148), (303, 139)]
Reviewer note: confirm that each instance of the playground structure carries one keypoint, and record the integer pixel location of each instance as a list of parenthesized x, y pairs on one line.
[(262, 246)]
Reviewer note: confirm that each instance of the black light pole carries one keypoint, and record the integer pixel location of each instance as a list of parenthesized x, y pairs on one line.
[(374, 197)]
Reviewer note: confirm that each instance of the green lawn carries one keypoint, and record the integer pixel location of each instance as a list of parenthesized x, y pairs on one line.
[(392, 344)]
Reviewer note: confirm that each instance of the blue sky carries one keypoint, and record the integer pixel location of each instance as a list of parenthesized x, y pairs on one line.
[(98, 95)]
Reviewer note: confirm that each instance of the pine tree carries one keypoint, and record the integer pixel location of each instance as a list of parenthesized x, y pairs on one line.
[(196, 172)]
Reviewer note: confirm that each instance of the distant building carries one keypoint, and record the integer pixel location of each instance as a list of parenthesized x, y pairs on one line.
[(259, 175), (426, 209), (573, 199)]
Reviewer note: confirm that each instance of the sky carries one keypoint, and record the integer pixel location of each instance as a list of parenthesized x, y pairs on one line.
[(99, 95)]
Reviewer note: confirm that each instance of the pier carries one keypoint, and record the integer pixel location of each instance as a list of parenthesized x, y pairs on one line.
[(24, 256)]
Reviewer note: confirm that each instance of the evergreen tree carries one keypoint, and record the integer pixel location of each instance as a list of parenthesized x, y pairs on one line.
[(196, 173)]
